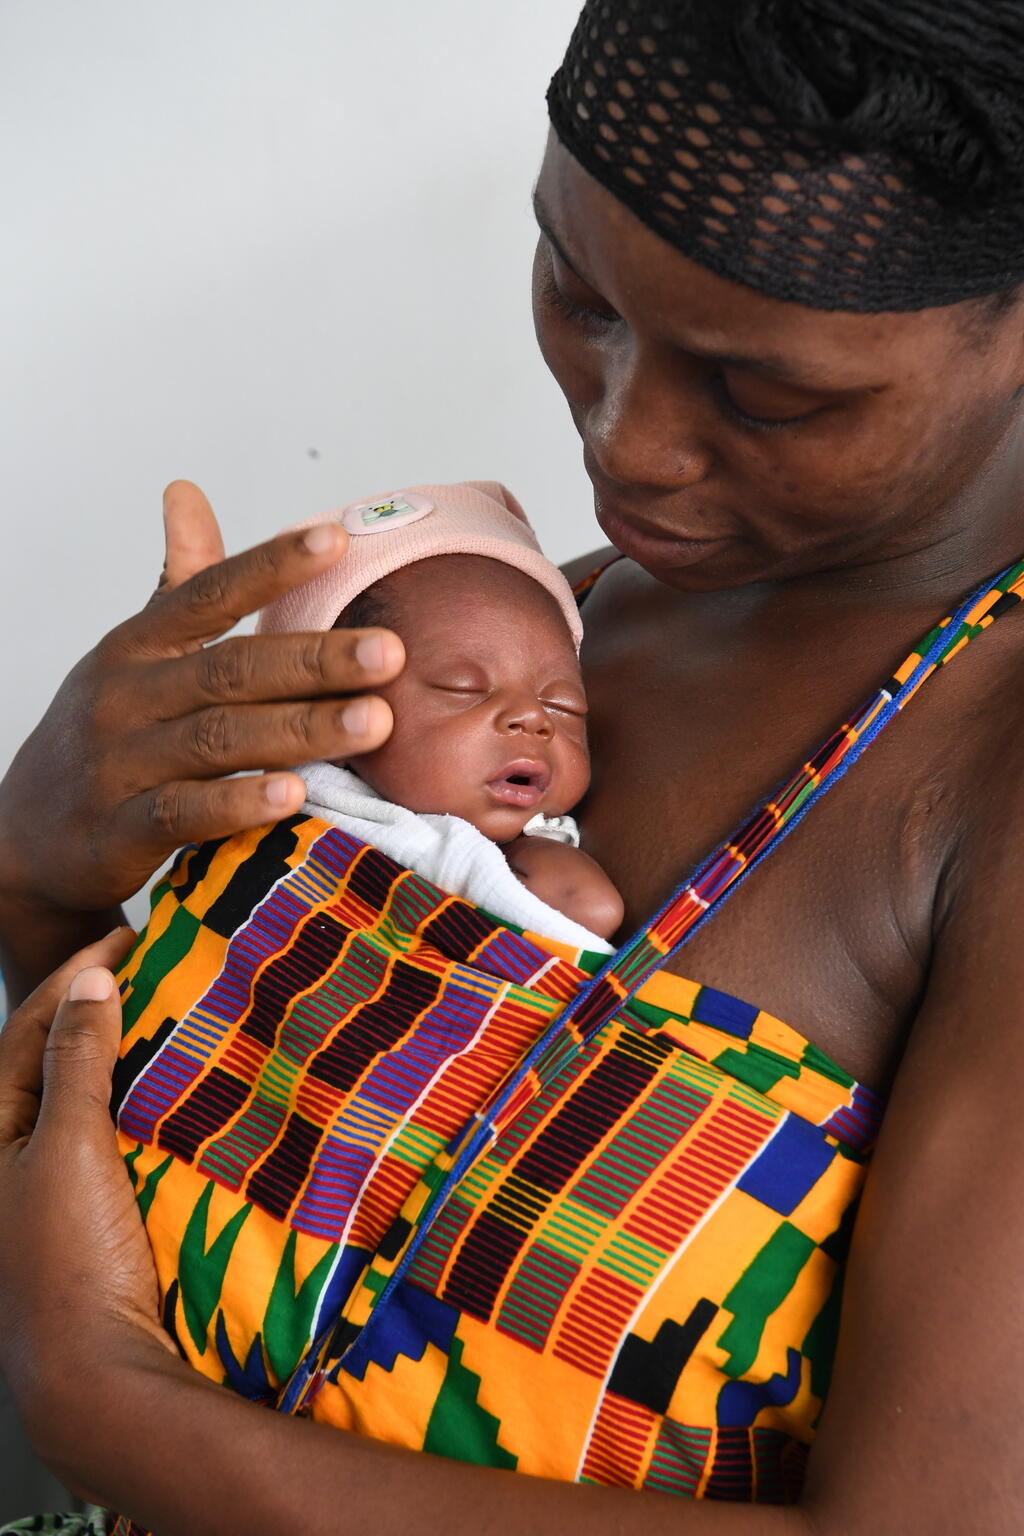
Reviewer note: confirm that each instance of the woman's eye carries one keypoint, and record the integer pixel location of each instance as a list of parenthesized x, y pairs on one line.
[(764, 417), (575, 309)]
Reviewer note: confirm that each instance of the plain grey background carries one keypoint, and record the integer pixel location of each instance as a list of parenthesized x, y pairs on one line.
[(282, 250)]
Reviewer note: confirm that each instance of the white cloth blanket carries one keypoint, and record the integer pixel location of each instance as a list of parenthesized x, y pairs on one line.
[(445, 850)]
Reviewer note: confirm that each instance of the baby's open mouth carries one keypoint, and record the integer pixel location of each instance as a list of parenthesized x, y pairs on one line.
[(522, 783)]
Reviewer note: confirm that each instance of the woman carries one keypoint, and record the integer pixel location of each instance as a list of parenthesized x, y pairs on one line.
[(776, 281)]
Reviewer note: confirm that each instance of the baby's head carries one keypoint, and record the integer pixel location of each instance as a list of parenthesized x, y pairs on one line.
[(490, 713)]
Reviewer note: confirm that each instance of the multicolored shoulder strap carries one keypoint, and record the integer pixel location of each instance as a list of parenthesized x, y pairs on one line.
[(692, 904), (697, 899)]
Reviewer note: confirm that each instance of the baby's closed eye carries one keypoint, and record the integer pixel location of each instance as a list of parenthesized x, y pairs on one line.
[(565, 701)]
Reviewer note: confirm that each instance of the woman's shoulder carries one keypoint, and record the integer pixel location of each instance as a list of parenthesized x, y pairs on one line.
[(981, 697), (973, 736)]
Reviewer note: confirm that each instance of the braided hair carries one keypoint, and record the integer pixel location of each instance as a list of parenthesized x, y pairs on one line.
[(846, 154), (939, 81)]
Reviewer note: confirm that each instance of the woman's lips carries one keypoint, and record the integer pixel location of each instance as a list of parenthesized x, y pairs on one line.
[(654, 546), (522, 784)]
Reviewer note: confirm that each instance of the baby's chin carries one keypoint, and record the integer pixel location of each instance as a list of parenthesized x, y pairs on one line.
[(504, 823)]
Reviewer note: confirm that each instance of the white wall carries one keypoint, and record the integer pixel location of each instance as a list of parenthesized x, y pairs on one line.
[(281, 249)]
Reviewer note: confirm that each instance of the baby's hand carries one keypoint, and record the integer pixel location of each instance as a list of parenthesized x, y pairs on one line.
[(567, 879)]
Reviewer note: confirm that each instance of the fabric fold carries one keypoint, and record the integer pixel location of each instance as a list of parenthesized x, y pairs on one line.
[(446, 850)]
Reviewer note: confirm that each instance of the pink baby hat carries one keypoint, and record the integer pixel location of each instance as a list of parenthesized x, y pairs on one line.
[(476, 517)]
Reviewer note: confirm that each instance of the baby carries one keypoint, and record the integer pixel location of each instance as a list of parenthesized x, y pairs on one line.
[(489, 711), (306, 1028)]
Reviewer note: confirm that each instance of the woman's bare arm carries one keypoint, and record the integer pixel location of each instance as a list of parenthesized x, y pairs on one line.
[(254, 1473), (132, 758), (924, 1419)]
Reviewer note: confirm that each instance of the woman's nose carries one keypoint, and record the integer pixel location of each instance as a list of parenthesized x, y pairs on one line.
[(648, 428), (524, 715)]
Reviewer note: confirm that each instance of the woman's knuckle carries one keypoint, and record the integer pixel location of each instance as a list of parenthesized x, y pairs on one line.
[(208, 588), (304, 727), (137, 638), (75, 1042), (165, 812), (223, 669), (314, 659), (263, 562), (211, 735), (267, 556)]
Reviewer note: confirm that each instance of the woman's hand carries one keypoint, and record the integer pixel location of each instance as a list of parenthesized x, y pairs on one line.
[(77, 1282), (134, 757)]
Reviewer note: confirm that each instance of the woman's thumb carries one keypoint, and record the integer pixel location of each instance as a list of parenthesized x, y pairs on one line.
[(80, 1054), (191, 533)]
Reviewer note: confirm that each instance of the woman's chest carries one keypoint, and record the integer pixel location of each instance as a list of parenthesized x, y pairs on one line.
[(831, 932)]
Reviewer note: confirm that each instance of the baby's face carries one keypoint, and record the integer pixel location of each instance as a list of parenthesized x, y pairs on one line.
[(490, 713)]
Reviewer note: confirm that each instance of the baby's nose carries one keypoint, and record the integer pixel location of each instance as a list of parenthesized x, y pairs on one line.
[(525, 714)]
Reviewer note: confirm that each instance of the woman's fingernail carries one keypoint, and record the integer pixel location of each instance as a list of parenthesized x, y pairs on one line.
[(91, 985), (278, 791), (321, 538), (370, 653), (355, 717)]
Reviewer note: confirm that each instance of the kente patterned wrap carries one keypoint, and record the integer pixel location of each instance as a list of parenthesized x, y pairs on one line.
[(455, 1187)]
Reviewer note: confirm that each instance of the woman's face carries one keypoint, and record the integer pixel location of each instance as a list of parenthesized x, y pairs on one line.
[(733, 438)]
